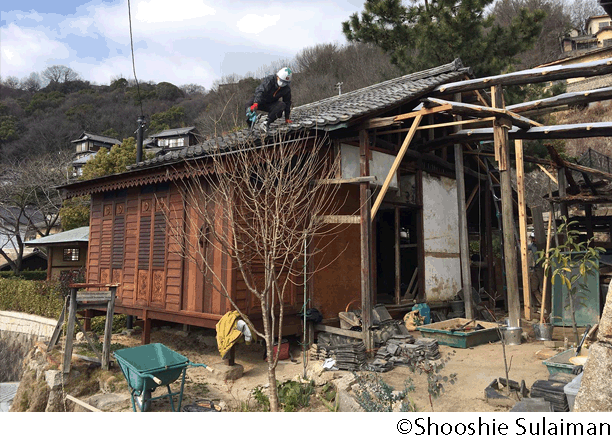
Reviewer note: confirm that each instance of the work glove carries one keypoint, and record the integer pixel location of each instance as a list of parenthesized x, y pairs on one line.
[(288, 121), (254, 107)]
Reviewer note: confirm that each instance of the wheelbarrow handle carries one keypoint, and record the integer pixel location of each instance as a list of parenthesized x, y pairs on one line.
[(202, 365), (154, 378)]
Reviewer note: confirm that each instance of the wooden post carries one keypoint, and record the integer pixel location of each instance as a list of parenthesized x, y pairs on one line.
[(365, 223), (231, 358), (538, 226), (520, 184), (489, 241), (146, 328), (108, 329), (500, 134), (70, 330), (464, 246), (398, 268), (422, 295), (561, 179), (588, 211)]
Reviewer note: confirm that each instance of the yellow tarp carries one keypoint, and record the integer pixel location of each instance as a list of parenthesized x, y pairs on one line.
[(227, 333)]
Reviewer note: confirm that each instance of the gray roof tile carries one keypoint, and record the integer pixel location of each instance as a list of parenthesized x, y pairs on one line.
[(337, 109)]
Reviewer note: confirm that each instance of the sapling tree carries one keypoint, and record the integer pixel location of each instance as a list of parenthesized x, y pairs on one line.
[(259, 206), (571, 263)]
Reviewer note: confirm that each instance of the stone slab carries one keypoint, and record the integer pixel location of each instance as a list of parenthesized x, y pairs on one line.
[(595, 394), (223, 372), (53, 378), (604, 334), (109, 401)]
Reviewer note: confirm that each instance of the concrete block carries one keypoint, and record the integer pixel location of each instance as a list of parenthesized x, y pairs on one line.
[(223, 372), (53, 378)]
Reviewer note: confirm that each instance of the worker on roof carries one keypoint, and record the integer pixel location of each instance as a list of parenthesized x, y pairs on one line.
[(267, 97)]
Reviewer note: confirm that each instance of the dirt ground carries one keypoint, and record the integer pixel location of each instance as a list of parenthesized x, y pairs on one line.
[(475, 368)]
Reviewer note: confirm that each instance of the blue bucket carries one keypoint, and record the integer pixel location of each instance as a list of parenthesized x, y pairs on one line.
[(424, 312)]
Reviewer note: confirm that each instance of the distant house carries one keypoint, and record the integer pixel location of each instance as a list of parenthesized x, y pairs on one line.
[(171, 139), (86, 147), (31, 261), (66, 251), (598, 35)]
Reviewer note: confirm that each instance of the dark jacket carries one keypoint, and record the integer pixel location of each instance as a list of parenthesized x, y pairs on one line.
[(268, 92)]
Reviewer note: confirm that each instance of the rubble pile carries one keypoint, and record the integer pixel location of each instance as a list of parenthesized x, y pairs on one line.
[(551, 391), (348, 353), (404, 351)]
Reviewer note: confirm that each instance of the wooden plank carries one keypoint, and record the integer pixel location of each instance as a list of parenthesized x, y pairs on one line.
[(93, 296), (471, 198), (530, 76), (108, 330), (451, 123), (522, 208), (538, 226), (489, 240), (58, 328), (396, 164), (70, 331), (82, 403), (549, 174), (423, 112), (501, 137), (338, 219), (339, 331), (357, 180), (464, 246), (410, 285), (545, 284)]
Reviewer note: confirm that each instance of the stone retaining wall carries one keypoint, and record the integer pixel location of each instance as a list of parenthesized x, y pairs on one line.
[(27, 324)]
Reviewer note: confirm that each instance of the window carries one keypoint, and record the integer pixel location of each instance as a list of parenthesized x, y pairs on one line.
[(180, 142), (71, 254), (162, 142)]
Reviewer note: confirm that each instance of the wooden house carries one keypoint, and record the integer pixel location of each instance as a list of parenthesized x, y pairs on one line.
[(407, 133), (66, 251)]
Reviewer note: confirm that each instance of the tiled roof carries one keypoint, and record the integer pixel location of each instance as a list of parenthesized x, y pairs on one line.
[(328, 113), (85, 136), (173, 132)]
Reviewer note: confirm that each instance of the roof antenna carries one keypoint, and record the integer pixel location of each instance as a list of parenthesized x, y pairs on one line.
[(339, 87)]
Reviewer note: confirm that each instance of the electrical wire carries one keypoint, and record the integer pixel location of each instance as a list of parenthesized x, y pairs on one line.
[(133, 62)]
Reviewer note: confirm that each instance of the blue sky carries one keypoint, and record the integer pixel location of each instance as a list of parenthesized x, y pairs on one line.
[(180, 41)]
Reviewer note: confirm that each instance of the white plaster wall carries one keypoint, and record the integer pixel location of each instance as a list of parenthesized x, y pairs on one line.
[(380, 165), (27, 324), (441, 237)]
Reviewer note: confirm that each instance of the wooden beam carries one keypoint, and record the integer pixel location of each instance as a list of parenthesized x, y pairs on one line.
[(501, 137), (530, 76), (471, 198), (108, 330), (482, 111), (398, 266), (422, 112), (545, 283), (396, 164), (538, 225), (453, 123), (520, 185), (375, 123), (70, 331), (572, 98), (339, 331), (489, 241)]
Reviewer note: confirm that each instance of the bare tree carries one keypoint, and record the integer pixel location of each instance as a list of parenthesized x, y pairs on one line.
[(581, 10), (29, 202), (31, 83), (11, 81), (192, 89), (60, 74), (262, 207)]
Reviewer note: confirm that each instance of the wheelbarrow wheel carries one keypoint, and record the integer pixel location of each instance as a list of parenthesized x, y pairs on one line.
[(144, 401)]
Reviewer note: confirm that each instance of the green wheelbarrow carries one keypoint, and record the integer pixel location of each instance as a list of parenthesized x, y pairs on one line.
[(151, 366)]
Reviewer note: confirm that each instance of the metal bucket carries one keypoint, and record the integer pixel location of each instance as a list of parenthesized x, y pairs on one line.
[(543, 331), (512, 336)]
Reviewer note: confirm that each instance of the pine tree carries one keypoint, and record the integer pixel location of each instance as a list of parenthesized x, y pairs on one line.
[(434, 32)]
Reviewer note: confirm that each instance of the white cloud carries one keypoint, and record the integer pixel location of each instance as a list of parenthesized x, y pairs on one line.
[(27, 50), (254, 24), (162, 11)]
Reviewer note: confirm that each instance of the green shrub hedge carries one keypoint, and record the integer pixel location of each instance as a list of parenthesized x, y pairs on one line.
[(42, 298), (25, 275)]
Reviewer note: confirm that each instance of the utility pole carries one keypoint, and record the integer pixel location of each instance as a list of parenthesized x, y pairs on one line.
[(139, 136)]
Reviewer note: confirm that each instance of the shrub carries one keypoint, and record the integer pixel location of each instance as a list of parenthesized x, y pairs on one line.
[(31, 296), (25, 275)]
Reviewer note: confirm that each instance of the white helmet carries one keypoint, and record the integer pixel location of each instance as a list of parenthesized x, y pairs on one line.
[(283, 76)]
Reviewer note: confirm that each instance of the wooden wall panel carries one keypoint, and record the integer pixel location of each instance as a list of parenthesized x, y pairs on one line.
[(158, 287), (142, 292), (93, 253)]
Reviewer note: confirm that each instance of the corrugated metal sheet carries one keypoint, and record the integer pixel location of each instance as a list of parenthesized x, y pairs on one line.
[(7, 393)]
